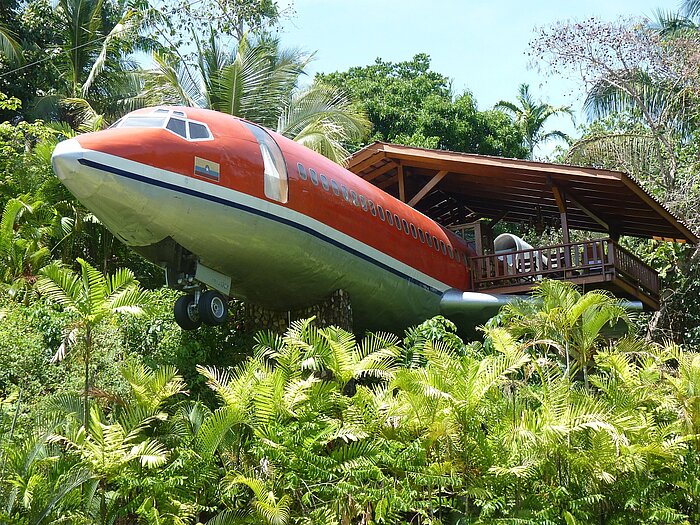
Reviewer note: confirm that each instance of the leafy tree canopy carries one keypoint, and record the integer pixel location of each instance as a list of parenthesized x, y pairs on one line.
[(410, 104)]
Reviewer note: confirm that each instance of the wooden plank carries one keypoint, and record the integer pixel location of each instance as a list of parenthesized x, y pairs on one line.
[(402, 184), (429, 186), (375, 158)]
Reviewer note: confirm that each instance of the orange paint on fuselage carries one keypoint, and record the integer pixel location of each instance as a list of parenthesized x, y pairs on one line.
[(237, 152)]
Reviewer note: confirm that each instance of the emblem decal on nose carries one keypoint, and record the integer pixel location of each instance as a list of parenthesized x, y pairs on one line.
[(206, 168)]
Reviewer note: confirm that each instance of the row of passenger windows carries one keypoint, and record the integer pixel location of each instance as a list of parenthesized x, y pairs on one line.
[(378, 211)]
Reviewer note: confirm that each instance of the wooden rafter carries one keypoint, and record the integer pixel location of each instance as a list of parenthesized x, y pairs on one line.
[(585, 208), (429, 186)]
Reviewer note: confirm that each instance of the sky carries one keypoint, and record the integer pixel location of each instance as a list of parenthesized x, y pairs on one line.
[(481, 46)]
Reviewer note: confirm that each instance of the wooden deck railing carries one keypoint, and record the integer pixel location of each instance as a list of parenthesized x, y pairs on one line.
[(600, 259)]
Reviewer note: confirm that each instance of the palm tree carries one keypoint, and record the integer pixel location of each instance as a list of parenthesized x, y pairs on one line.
[(258, 82), (531, 115), (563, 319), (99, 78), (93, 298)]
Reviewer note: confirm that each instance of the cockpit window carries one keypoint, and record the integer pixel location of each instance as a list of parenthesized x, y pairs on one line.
[(177, 125), (198, 131), (142, 122)]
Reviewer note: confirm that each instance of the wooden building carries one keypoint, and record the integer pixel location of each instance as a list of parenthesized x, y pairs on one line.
[(470, 193)]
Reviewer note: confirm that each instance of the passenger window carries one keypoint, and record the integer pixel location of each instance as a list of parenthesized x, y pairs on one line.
[(389, 218), (397, 221), (429, 239), (372, 208), (421, 235), (443, 247), (354, 198), (346, 195), (200, 131), (413, 231), (436, 243), (324, 182), (405, 226), (275, 169), (314, 176), (302, 171), (363, 202), (381, 212), (335, 187), (450, 252)]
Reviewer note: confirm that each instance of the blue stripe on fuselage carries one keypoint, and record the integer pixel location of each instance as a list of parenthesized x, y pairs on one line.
[(254, 211)]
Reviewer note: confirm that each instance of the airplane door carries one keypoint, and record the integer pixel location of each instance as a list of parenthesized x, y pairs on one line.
[(275, 169)]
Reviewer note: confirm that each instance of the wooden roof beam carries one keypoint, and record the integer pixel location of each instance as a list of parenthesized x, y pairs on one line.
[(579, 203), (429, 186)]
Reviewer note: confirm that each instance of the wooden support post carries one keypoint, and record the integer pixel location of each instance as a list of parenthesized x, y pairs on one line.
[(560, 198), (402, 184), (429, 186)]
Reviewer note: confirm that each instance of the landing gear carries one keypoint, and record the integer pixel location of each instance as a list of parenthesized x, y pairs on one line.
[(186, 313), (210, 308), (213, 308)]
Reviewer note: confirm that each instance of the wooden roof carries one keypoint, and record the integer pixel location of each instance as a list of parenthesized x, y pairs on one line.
[(456, 188)]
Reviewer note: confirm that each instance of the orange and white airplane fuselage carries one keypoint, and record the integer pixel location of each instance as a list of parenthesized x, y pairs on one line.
[(216, 199)]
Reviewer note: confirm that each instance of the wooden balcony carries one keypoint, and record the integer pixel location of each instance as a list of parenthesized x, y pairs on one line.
[(600, 263)]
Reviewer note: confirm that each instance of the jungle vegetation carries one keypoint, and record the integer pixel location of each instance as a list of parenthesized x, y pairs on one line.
[(111, 415)]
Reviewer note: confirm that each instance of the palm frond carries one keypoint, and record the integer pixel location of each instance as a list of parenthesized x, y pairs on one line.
[(61, 285)]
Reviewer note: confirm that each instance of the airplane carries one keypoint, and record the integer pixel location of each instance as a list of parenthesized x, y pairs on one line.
[(231, 209)]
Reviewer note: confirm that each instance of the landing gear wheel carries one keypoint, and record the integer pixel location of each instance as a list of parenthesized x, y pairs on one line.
[(213, 308), (186, 313)]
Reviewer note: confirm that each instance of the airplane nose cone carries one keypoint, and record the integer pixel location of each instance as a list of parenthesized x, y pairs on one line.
[(65, 160)]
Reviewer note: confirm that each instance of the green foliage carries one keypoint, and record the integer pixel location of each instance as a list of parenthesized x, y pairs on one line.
[(315, 426), (259, 82), (408, 103)]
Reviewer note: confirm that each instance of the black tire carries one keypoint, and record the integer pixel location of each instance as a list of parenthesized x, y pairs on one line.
[(186, 315), (213, 308)]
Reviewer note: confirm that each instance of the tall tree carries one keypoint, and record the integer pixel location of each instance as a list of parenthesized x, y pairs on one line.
[(94, 42), (408, 103), (629, 67), (531, 115)]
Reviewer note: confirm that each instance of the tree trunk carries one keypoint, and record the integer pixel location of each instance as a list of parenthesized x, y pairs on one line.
[(88, 351)]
